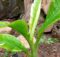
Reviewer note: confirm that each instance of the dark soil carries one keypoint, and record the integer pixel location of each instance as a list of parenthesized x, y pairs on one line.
[(52, 50)]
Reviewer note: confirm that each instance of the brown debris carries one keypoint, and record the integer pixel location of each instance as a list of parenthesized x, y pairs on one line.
[(45, 5), (56, 30)]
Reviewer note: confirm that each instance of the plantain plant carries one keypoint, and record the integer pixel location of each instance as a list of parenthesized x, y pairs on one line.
[(11, 43)]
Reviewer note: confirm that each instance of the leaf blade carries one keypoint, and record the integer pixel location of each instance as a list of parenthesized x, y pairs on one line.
[(3, 24), (34, 16), (52, 17), (10, 43), (20, 26)]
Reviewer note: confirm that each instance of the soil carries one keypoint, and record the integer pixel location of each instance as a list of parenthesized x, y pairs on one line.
[(56, 30), (52, 50)]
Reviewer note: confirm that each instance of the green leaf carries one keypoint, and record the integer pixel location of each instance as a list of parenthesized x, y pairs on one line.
[(53, 13), (52, 17), (11, 43), (3, 24), (20, 26), (34, 16)]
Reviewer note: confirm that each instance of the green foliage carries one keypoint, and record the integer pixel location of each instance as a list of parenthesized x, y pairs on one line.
[(20, 26), (34, 16), (3, 24), (11, 43), (52, 17), (53, 14)]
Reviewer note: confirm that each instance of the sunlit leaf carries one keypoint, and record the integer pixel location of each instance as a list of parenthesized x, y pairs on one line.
[(11, 43), (3, 24), (34, 16), (52, 16), (20, 26)]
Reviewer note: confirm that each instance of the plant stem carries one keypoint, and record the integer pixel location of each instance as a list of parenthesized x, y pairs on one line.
[(34, 51)]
